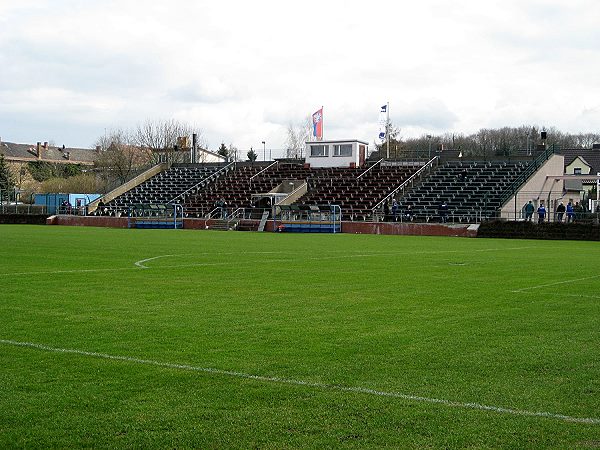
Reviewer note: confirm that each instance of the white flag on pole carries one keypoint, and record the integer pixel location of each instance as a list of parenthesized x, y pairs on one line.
[(382, 121)]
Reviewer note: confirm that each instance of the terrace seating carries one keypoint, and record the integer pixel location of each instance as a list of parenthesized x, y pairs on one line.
[(342, 186), (164, 187), (236, 188), (470, 190)]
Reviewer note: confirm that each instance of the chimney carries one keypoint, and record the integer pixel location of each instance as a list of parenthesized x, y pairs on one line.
[(39, 150), (46, 145), (98, 148)]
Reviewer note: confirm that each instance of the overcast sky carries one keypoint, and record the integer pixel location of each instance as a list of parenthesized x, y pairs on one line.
[(243, 71)]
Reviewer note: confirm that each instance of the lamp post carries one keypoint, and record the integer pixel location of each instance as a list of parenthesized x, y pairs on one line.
[(429, 139), (264, 151)]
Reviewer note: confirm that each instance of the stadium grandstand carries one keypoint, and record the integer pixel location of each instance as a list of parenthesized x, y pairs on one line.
[(244, 195)]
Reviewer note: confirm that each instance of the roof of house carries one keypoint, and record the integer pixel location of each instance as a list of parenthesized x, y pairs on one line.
[(28, 152), (588, 155)]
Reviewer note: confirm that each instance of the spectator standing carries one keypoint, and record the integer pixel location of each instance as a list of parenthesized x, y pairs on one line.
[(560, 212), (570, 212), (578, 210), (443, 212), (395, 210), (529, 211), (224, 208), (541, 213), (409, 213)]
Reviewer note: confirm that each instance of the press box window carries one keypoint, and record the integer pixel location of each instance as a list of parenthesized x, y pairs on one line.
[(319, 150), (342, 150)]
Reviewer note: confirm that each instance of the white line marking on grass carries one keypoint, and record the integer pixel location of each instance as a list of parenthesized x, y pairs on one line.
[(141, 262), (332, 387), (556, 283), (55, 272), (561, 294), (138, 264)]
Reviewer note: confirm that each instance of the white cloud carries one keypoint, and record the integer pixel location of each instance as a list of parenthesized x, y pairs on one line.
[(243, 71)]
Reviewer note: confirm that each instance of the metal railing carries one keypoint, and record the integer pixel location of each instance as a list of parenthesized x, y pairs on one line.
[(23, 208), (203, 182), (410, 180), (263, 170), (369, 169), (434, 215)]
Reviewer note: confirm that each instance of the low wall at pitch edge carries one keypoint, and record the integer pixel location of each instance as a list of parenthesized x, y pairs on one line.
[(413, 229)]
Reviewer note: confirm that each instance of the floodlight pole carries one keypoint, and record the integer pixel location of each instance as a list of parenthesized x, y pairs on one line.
[(387, 129), (264, 151)]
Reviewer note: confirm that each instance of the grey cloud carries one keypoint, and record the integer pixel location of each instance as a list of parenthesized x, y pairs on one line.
[(74, 67), (432, 114)]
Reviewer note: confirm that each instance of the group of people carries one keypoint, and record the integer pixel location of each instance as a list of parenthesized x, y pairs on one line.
[(571, 212), (395, 213), (65, 207)]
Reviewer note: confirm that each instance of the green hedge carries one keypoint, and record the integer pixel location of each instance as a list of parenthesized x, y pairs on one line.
[(547, 230), (23, 219)]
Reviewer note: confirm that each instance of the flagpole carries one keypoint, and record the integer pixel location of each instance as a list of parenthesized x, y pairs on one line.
[(387, 131), (322, 124)]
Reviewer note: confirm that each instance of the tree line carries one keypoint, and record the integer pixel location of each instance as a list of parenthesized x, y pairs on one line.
[(505, 141)]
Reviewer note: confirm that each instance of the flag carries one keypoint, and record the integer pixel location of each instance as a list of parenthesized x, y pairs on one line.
[(317, 120), (383, 118)]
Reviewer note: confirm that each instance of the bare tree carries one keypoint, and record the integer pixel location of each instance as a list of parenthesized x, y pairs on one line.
[(119, 156), (233, 153), (587, 140), (160, 138), (297, 136)]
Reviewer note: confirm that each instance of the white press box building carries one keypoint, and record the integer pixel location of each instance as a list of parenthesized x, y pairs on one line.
[(342, 153)]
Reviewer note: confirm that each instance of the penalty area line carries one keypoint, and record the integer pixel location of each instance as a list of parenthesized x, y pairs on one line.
[(323, 386)]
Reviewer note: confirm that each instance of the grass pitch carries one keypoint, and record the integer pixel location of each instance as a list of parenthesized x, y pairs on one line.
[(177, 338)]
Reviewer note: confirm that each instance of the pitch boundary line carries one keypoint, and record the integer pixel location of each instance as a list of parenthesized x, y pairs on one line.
[(324, 386), (561, 294), (556, 283)]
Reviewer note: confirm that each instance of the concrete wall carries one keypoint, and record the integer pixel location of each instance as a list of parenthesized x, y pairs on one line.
[(413, 229), (537, 189)]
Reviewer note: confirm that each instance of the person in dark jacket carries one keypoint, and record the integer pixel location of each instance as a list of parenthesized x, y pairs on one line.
[(560, 212)]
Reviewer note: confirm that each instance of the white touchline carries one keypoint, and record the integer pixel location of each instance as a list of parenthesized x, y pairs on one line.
[(556, 283), (560, 294), (57, 272), (333, 387)]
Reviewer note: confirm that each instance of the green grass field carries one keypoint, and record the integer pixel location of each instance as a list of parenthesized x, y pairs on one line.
[(178, 339)]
